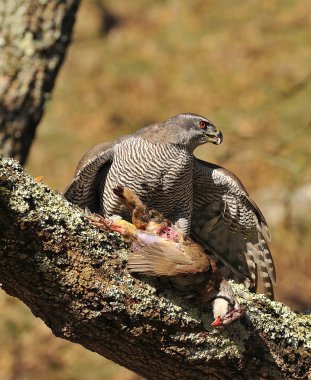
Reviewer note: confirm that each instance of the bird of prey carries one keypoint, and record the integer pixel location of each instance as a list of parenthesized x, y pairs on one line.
[(160, 249), (204, 200)]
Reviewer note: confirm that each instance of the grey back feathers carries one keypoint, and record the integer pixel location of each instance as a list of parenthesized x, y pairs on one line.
[(157, 163)]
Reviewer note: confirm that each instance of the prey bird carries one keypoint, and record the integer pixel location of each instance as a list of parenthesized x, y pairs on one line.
[(160, 249), (205, 201)]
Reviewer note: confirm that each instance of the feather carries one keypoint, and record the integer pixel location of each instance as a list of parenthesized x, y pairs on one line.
[(240, 239), (158, 260), (91, 171)]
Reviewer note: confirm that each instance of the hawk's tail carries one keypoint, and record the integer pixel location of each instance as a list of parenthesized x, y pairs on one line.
[(260, 256)]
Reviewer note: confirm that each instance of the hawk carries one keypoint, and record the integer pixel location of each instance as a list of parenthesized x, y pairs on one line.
[(204, 200)]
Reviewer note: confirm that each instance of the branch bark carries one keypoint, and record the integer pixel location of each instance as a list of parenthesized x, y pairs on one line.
[(34, 37), (73, 277)]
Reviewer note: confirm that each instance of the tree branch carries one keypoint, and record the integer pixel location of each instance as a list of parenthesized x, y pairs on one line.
[(34, 38), (73, 277)]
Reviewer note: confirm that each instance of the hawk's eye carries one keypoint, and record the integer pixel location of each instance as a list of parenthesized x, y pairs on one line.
[(202, 124)]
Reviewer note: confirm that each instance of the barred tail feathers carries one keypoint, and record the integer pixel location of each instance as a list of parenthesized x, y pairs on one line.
[(259, 257)]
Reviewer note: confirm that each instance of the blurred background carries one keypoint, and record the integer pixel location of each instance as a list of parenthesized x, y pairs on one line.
[(245, 65)]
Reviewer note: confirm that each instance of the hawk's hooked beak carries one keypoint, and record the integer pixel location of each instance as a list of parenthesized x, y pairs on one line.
[(215, 137)]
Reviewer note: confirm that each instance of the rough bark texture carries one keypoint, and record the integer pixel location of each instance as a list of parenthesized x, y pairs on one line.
[(74, 278), (34, 36)]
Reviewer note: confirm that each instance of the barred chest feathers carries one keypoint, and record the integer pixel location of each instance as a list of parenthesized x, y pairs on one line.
[(160, 174)]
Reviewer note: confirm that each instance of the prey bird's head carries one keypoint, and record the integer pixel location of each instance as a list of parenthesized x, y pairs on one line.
[(193, 130), (226, 308)]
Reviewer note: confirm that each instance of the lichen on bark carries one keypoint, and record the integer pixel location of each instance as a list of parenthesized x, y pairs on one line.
[(34, 36)]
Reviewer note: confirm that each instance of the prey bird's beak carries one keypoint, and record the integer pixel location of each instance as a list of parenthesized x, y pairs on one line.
[(217, 322)]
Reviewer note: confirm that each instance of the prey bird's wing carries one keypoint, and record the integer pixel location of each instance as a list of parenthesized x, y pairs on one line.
[(228, 223), (164, 259), (92, 169)]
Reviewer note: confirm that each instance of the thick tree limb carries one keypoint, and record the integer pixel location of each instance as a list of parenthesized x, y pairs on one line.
[(74, 278), (34, 36)]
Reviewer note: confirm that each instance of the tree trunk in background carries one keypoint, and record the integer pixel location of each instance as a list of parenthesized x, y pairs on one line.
[(74, 278), (34, 36)]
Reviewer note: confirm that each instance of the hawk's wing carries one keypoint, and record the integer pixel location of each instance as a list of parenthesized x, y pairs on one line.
[(92, 169), (231, 226)]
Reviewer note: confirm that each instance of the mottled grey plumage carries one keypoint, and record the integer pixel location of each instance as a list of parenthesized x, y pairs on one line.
[(157, 163)]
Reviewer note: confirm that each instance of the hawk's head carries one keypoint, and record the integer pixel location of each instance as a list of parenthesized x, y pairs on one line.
[(187, 129), (193, 130)]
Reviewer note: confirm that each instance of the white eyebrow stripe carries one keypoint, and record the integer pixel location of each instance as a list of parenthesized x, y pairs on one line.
[(191, 116)]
